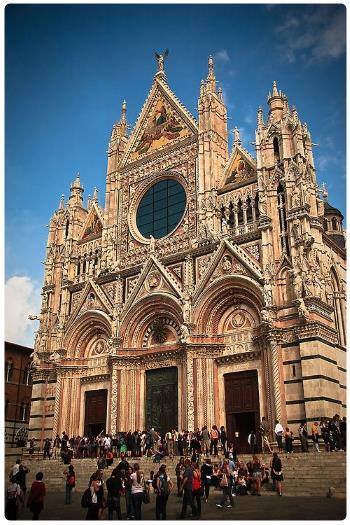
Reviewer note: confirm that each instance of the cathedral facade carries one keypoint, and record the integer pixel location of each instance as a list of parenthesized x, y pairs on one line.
[(209, 287)]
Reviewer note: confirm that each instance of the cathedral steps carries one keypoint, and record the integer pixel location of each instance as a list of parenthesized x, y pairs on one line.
[(304, 474)]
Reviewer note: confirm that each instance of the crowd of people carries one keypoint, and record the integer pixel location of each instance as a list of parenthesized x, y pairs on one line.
[(194, 482), (136, 444), (196, 473)]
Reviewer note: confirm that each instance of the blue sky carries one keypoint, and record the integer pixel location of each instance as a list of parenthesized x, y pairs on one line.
[(68, 68)]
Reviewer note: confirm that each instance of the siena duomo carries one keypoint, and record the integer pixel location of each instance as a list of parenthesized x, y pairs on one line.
[(209, 287)]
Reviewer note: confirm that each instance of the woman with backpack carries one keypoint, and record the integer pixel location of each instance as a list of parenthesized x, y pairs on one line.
[(225, 484), (276, 473), (162, 485), (214, 436), (70, 483), (197, 491)]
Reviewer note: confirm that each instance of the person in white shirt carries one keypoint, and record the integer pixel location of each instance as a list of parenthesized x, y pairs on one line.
[(137, 489), (279, 434), (15, 468)]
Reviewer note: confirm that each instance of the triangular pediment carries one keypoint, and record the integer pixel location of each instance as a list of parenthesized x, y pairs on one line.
[(240, 167), (91, 297), (93, 223), (154, 279), (229, 259), (163, 122)]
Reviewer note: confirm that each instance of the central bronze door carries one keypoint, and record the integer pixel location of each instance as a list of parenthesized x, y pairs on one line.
[(95, 412), (161, 399), (242, 407)]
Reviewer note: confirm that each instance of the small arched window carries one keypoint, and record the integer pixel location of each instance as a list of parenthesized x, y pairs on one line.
[(334, 223), (23, 411), (84, 266), (240, 212), (249, 210), (78, 267), (281, 204), (325, 225), (256, 202), (276, 150), (9, 371), (26, 376), (67, 228)]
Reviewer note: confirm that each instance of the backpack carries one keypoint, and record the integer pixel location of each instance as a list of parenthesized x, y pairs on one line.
[(86, 498), (71, 480), (154, 483), (196, 481)]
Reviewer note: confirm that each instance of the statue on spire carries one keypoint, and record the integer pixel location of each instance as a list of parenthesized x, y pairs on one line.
[(160, 60), (211, 74)]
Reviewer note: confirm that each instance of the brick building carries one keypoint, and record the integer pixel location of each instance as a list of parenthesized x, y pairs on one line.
[(18, 392)]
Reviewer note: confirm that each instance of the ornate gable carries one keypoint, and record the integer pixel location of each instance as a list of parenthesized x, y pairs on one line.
[(240, 167), (163, 121), (229, 259), (93, 223), (90, 298), (154, 278)]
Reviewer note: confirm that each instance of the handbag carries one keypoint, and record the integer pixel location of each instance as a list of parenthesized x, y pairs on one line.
[(223, 482)]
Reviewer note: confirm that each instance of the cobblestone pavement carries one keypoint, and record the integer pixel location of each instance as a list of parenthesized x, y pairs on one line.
[(269, 507)]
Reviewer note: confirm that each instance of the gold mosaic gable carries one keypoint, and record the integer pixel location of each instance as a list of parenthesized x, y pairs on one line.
[(163, 122), (241, 167), (93, 225), (162, 126)]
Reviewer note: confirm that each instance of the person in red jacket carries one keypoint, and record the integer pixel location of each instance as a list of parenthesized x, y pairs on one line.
[(36, 496)]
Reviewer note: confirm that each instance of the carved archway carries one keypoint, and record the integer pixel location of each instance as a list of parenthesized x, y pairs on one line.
[(156, 313), (228, 300), (88, 335)]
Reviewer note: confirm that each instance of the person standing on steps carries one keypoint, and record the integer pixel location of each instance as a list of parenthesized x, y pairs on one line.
[(137, 488), (225, 484), (315, 436), (197, 488), (205, 441), (214, 436), (303, 437), (279, 435), (288, 438), (70, 483), (114, 487), (223, 439), (164, 486), (206, 473), (187, 490), (179, 470), (276, 473)]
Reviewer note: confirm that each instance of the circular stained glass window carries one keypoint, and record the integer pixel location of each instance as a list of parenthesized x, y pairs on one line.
[(161, 209)]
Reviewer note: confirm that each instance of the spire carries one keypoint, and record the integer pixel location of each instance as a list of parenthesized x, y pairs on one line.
[(236, 137), (285, 105), (95, 195), (211, 74), (276, 103), (220, 95), (76, 192), (211, 81), (260, 117), (123, 115), (61, 204), (274, 89)]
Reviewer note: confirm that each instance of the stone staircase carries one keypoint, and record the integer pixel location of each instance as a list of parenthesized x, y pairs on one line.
[(308, 474)]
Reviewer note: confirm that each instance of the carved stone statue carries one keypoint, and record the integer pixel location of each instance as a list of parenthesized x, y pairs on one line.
[(152, 244), (184, 333), (296, 197), (262, 204), (160, 60), (54, 358), (302, 310)]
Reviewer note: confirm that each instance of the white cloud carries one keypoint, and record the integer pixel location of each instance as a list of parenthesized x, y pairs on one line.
[(22, 298), (222, 56)]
